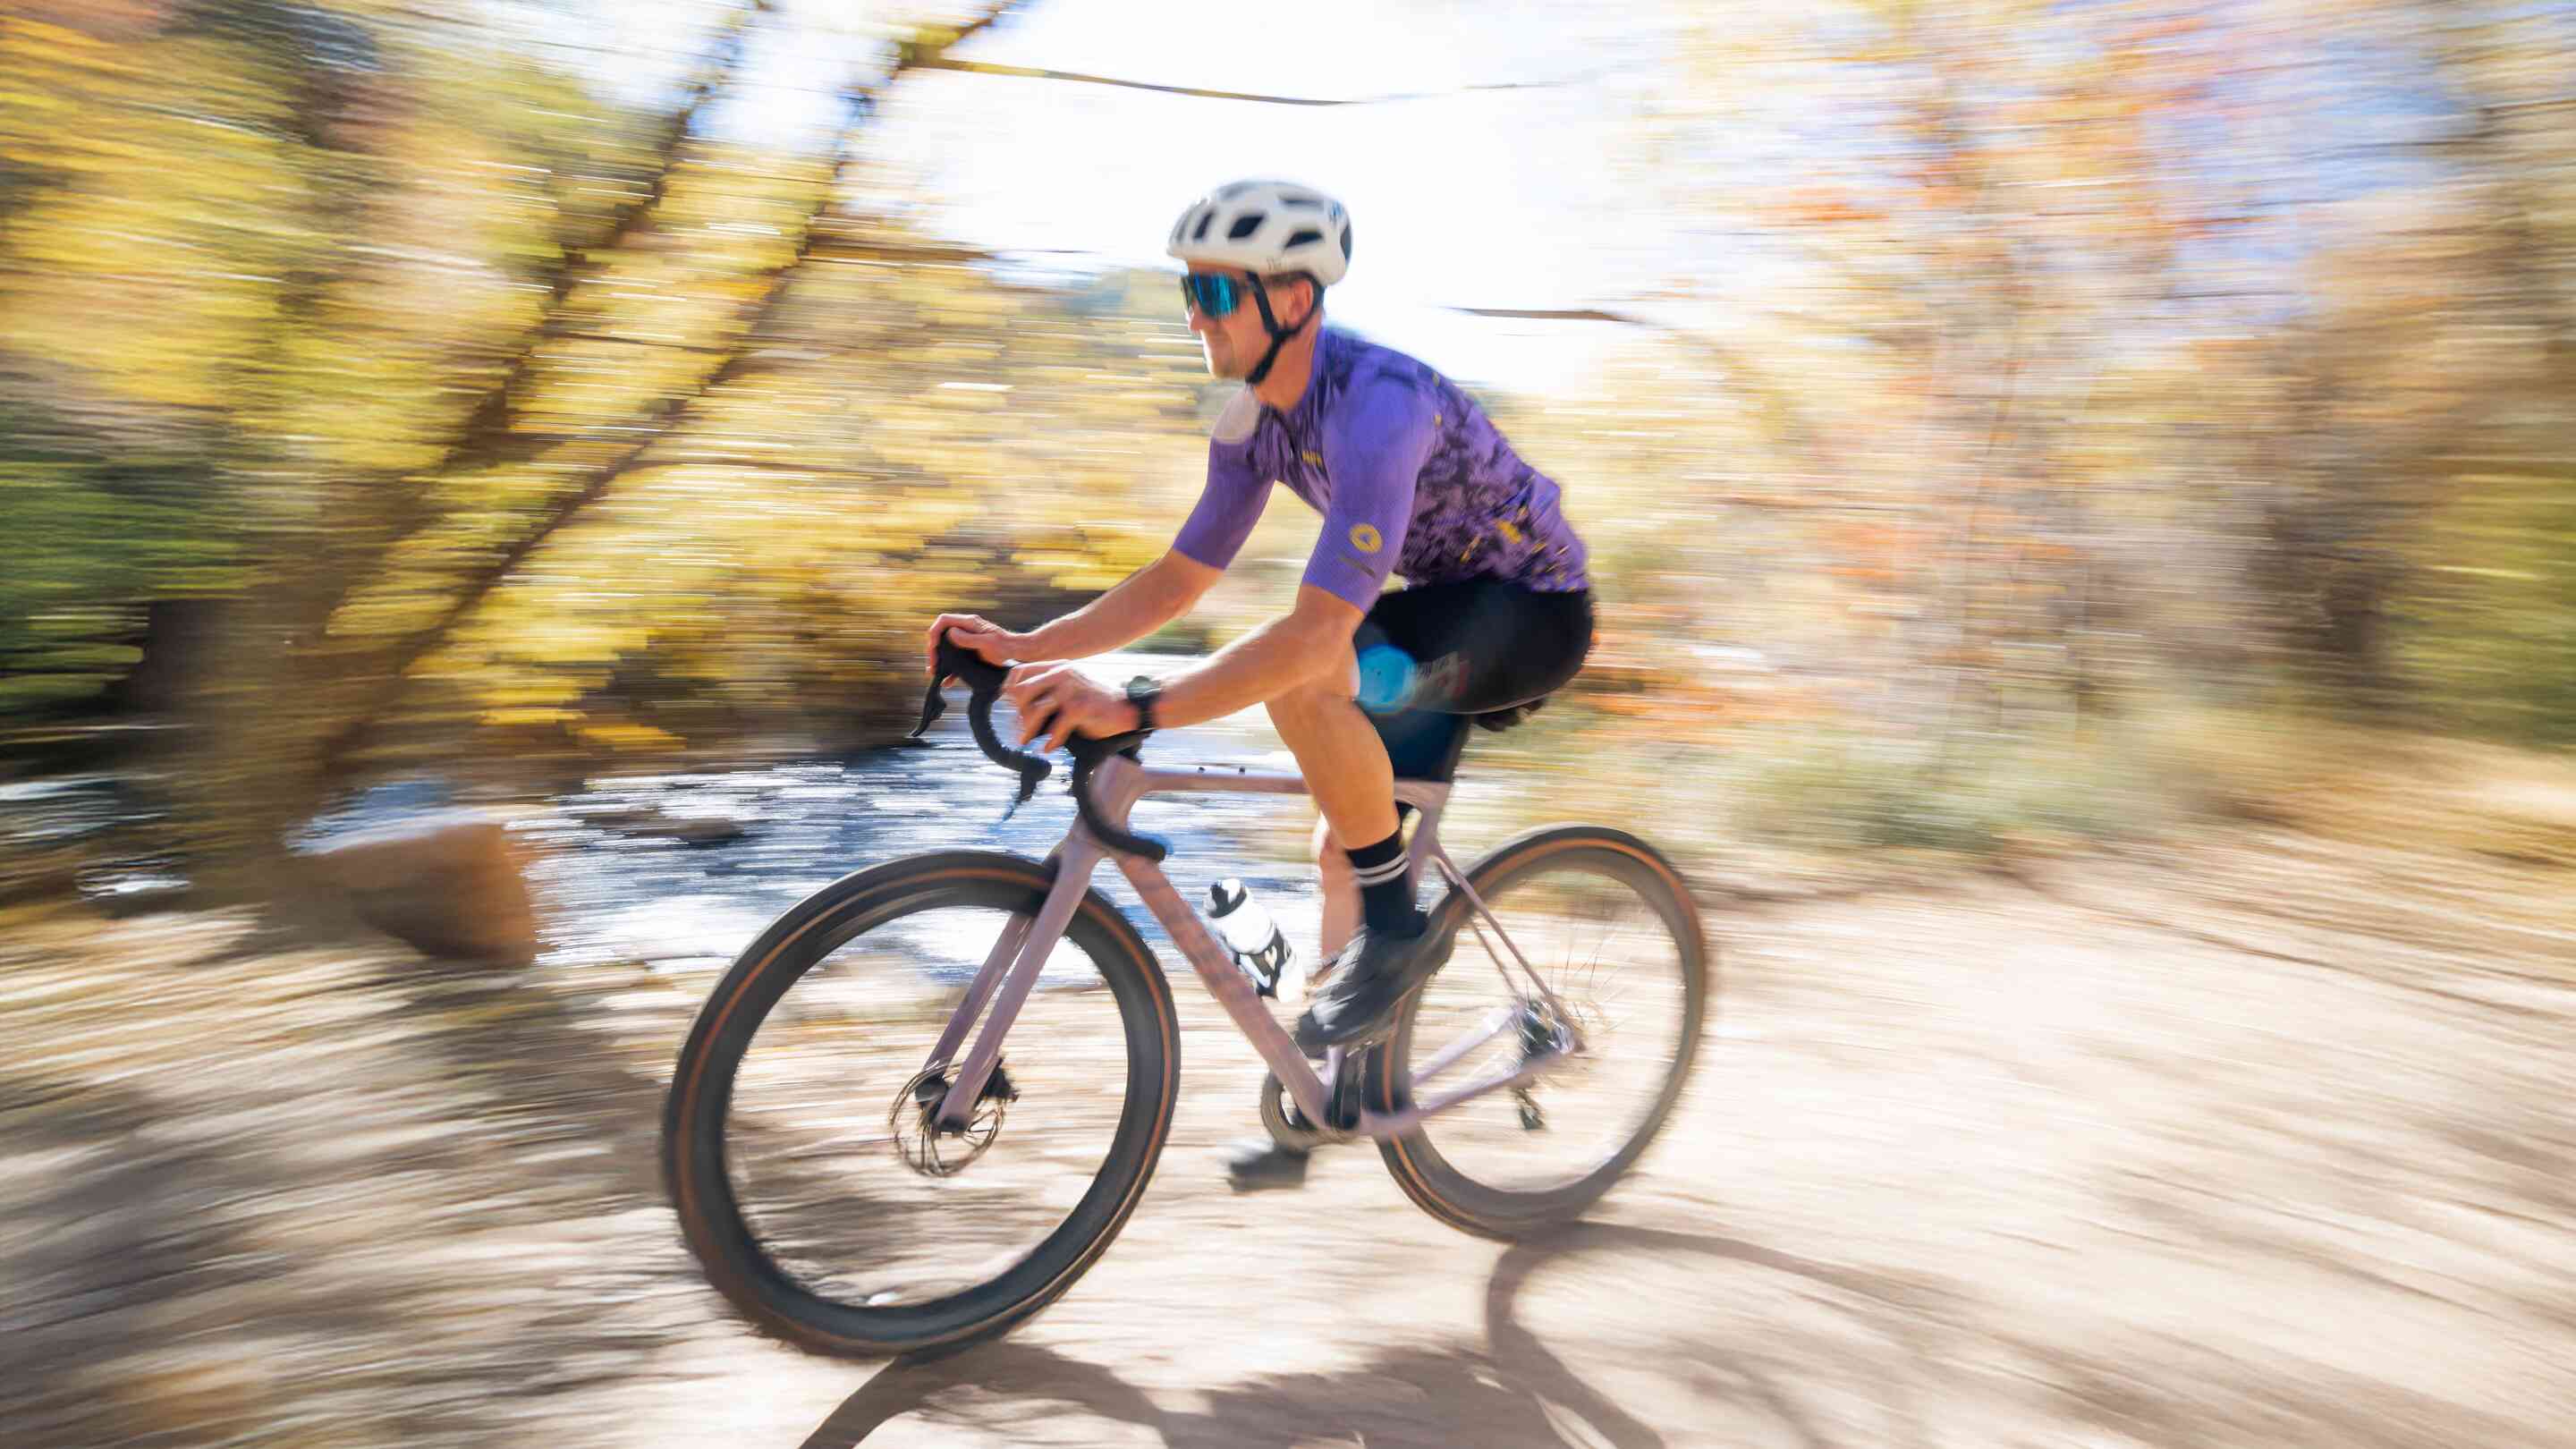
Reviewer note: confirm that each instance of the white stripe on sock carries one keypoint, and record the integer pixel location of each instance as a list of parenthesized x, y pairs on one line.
[(1380, 874)]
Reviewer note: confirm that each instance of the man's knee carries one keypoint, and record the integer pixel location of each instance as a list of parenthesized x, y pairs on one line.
[(1334, 689), (1297, 704)]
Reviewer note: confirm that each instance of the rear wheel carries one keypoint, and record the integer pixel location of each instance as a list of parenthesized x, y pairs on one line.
[(797, 1143), (1608, 923)]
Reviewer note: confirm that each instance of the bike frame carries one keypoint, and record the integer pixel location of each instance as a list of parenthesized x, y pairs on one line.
[(1010, 971)]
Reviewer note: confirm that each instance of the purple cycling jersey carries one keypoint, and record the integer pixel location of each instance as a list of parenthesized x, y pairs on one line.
[(1410, 475)]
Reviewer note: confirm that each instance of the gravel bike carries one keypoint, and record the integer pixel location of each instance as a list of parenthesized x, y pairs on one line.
[(861, 1172)]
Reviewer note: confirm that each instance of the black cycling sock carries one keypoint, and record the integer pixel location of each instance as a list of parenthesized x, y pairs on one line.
[(1386, 897)]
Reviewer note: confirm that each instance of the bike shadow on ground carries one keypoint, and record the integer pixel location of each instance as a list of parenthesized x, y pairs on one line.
[(1511, 1392)]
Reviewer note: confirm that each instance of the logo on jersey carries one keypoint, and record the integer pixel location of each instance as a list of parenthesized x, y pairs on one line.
[(1366, 539)]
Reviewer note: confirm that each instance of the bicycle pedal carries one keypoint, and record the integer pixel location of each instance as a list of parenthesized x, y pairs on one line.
[(1265, 1166), (999, 1087)]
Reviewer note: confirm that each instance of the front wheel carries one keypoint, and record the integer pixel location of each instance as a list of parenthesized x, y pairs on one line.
[(1607, 921), (796, 1141)]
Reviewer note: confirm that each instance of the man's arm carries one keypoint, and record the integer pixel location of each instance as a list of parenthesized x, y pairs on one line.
[(1141, 603), (1057, 701), (1313, 639)]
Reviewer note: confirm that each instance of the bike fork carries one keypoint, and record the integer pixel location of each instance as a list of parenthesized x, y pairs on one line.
[(1027, 947)]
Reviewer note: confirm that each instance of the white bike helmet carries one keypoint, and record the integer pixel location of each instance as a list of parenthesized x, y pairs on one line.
[(1268, 228)]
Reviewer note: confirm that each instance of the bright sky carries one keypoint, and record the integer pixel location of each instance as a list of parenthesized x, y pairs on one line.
[(1466, 198), (1494, 199), (1523, 198)]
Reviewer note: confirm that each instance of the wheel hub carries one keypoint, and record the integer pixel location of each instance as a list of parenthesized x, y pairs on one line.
[(935, 1151)]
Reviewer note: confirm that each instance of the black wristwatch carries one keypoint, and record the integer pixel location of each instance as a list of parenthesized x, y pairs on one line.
[(1143, 691)]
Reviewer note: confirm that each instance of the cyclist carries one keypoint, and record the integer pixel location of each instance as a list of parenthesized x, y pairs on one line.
[(1411, 477)]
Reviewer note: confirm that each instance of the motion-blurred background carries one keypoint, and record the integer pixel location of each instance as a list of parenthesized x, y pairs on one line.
[(2010, 432)]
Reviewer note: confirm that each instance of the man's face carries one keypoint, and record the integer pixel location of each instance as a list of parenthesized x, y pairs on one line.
[(1234, 342)]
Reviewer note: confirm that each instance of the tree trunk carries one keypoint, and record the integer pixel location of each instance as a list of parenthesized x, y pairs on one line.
[(280, 707)]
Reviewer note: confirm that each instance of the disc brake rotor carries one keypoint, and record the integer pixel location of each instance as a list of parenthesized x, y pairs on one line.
[(914, 1122)]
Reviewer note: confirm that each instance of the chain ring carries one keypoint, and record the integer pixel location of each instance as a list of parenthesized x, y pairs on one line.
[(1279, 1118)]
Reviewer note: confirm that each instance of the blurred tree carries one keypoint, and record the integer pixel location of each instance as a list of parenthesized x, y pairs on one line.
[(370, 391), (2019, 257), (359, 278)]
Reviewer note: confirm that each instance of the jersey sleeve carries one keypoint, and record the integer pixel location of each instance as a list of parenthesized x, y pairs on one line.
[(1235, 493), (1374, 458)]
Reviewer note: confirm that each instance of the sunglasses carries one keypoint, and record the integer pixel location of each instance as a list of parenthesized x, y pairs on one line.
[(1211, 293)]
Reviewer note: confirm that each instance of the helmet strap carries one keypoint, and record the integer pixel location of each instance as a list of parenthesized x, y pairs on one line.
[(1270, 323)]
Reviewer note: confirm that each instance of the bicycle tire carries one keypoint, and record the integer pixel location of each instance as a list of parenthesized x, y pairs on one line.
[(1415, 1160), (694, 1156)]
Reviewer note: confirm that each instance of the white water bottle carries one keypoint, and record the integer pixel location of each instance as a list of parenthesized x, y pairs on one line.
[(1259, 946)]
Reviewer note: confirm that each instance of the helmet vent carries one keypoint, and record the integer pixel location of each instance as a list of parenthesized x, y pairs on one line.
[(1266, 228)]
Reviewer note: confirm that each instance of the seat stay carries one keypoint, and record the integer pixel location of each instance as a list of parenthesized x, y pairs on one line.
[(1476, 907)]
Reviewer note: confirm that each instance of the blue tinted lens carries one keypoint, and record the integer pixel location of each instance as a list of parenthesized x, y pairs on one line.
[(1217, 296)]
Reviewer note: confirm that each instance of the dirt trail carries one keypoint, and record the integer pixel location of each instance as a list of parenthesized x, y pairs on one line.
[(2272, 1150)]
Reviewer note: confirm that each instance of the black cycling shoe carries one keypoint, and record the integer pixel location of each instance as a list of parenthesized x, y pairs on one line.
[(1257, 1164), (1379, 969)]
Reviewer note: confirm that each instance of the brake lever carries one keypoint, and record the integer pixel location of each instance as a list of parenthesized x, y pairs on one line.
[(983, 682), (933, 705)]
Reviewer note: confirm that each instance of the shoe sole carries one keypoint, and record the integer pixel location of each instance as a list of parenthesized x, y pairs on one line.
[(1242, 1185), (1270, 1178)]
